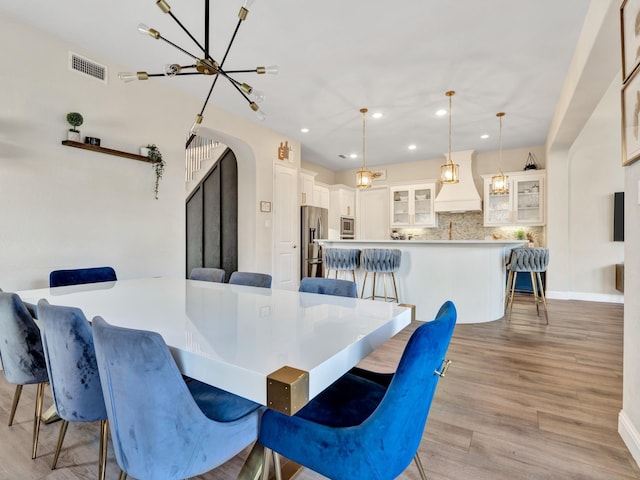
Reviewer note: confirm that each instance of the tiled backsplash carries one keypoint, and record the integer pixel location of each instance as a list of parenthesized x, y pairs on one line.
[(468, 226)]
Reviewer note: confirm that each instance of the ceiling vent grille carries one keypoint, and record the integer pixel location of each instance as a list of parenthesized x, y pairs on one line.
[(87, 67)]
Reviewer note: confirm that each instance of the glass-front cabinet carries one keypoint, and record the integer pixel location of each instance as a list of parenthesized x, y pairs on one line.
[(523, 205), (412, 205)]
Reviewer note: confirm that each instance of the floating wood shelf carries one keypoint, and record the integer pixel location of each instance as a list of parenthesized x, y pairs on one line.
[(108, 151)]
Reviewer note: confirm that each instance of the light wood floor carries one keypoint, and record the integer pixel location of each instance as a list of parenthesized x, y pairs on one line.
[(521, 401)]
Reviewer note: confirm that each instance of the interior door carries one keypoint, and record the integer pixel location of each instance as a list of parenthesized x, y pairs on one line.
[(286, 225)]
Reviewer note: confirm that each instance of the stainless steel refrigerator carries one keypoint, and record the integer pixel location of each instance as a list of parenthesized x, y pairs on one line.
[(314, 223)]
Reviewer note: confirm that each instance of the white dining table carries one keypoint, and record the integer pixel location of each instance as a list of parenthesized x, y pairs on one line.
[(235, 337)]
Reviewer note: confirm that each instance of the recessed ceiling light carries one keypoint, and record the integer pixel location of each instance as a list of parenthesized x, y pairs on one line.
[(441, 113), (304, 130), (377, 115), (484, 136), (412, 147), (353, 155)]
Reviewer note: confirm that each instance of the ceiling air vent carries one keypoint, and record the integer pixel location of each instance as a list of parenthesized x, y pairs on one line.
[(88, 67)]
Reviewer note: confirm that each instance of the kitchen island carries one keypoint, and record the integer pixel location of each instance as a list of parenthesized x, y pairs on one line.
[(471, 273)]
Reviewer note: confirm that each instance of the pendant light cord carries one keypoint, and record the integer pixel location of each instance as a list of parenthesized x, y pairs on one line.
[(364, 136)]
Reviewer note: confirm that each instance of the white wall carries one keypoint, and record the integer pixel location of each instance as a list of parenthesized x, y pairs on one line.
[(595, 173), (66, 208), (629, 424)]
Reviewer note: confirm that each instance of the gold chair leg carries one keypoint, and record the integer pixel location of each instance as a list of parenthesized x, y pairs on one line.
[(266, 463), (122, 475), (511, 294), (543, 297), (36, 419), (506, 296), (536, 299), (102, 457), (61, 435), (364, 282), (276, 465), (14, 405), (373, 293), (421, 471), (395, 287)]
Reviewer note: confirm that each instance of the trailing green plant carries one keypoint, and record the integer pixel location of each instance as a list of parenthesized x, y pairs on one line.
[(158, 164), (75, 120)]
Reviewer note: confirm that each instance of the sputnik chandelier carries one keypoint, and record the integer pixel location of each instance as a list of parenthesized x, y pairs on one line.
[(204, 64)]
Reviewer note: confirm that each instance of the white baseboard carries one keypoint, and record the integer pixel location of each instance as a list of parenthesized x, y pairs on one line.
[(587, 297), (630, 435)]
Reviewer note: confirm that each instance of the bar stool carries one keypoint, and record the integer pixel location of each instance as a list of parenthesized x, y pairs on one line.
[(381, 260), (342, 260), (534, 261)]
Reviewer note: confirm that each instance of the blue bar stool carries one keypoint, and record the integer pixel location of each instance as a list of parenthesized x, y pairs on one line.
[(534, 261), (341, 260), (385, 261)]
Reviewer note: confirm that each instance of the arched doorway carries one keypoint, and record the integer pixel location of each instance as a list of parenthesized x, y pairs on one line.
[(212, 218)]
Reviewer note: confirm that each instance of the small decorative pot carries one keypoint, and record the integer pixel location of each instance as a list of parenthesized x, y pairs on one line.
[(74, 136)]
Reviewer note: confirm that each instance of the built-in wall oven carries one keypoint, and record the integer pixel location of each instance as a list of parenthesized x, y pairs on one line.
[(347, 228)]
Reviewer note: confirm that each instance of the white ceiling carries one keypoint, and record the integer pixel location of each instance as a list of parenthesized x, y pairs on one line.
[(336, 56)]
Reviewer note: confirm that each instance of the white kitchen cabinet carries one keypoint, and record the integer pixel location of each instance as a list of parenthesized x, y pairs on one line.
[(412, 205), (306, 187), (320, 195), (342, 201), (523, 205)]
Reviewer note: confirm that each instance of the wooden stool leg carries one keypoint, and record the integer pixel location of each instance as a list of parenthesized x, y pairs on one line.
[(506, 295)]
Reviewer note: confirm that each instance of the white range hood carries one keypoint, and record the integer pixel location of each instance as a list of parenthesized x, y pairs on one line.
[(462, 196)]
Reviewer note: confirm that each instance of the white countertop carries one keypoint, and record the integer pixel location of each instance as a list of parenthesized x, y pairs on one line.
[(508, 242)]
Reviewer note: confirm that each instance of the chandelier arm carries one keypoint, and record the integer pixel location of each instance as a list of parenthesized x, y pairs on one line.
[(206, 53), (254, 70), (178, 47), (233, 37), (206, 100), (235, 83)]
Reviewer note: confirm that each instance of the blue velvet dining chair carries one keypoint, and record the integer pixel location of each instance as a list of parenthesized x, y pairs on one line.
[(77, 276), (360, 429), (206, 274), (329, 286), (251, 279), (22, 356), (73, 373), (163, 428)]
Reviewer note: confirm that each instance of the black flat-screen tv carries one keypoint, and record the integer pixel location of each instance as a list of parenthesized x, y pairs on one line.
[(618, 217)]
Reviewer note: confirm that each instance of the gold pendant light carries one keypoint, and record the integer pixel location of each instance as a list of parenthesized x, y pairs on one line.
[(500, 182), (364, 177), (449, 170)]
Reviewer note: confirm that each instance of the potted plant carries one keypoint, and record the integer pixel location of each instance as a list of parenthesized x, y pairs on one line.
[(520, 234), (75, 120), (158, 164)]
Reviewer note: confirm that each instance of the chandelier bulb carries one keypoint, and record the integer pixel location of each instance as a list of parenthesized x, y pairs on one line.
[(258, 96), (248, 3), (196, 125), (261, 115), (132, 76), (147, 30), (272, 70), (172, 69)]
